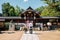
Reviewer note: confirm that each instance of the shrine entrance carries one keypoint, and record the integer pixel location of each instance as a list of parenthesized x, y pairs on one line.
[(30, 15)]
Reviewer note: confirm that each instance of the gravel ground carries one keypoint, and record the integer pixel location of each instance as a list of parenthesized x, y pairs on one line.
[(48, 35), (42, 35), (11, 35)]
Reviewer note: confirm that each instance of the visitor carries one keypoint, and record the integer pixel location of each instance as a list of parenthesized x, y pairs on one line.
[(25, 28), (41, 26), (27, 24), (31, 26), (44, 27), (49, 25)]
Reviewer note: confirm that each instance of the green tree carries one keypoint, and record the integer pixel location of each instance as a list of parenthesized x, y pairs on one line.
[(9, 10), (12, 11), (45, 12), (39, 9), (17, 10), (5, 9), (53, 7)]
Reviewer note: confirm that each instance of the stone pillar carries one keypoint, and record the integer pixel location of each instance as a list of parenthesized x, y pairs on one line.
[(11, 27)]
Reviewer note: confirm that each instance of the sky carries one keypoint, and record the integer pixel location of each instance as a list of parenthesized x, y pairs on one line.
[(24, 4)]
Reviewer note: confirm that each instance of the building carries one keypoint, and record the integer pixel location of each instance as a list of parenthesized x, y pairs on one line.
[(29, 14)]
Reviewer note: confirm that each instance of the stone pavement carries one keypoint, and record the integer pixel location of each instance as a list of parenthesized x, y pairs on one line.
[(29, 36)]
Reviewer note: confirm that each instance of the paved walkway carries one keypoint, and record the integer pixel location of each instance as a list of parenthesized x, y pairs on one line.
[(29, 36)]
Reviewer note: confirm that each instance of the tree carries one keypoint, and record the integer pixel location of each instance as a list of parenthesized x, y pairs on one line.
[(5, 9), (39, 9), (9, 10), (45, 12), (17, 10), (53, 7)]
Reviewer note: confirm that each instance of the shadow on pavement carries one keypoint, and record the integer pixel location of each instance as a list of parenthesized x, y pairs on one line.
[(7, 32)]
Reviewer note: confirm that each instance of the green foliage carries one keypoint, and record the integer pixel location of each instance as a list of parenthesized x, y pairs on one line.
[(9, 10), (5, 9), (17, 10), (53, 8), (39, 9), (45, 12)]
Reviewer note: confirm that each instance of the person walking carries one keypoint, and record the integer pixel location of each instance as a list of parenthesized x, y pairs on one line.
[(31, 27), (26, 26), (49, 25), (41, 25)]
